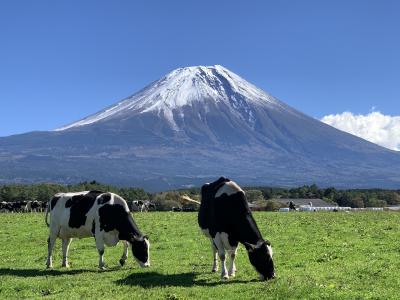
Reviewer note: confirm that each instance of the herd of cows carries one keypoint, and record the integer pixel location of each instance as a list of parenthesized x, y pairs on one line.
[(224, 217), (40, 206), (23, 206)]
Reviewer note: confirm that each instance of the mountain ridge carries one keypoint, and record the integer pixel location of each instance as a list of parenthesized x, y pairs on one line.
[(195, 124)]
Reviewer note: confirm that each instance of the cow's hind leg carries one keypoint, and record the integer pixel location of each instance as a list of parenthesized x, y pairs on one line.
[(65, 248), (215, 256), (232, 267), (125, 253), (50, 245), (100, 249), (221, 253)]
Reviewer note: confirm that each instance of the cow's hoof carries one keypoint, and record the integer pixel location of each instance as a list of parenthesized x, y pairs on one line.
[(49, 267), (214, 270), (102, 268), (232, 274), (65, 266), (225, 277), (122, 262)]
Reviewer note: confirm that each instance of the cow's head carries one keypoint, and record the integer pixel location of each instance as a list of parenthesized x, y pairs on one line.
[(260, 256), (140, 250)]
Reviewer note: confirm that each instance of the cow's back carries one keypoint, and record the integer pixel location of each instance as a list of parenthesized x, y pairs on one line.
[(79, 206), (70, 213), (207, 211)]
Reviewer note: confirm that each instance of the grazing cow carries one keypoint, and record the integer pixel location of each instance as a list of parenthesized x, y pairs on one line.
[(105, 216), (3, 206), (28, 207), (225, 218), (151, 206), (143, 205), (43, 206), (147, 205), (137, 205), (36, 206), (32, 206)]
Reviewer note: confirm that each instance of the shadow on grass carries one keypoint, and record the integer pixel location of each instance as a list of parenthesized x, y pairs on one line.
[(50, 272), (154, 279), (223, 282)]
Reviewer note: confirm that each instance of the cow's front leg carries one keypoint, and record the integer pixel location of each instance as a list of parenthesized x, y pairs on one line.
[(232, 268), (125, 253), (224, 273), (215, 257), (65, 248), (221, 253)]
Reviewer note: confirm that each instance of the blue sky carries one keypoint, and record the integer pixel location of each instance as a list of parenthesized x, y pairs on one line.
[(63, 60)]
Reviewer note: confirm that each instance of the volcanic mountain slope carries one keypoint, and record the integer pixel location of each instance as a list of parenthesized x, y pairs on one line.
[(193, 125)]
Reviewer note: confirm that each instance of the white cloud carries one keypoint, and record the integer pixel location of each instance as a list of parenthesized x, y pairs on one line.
[(375, 127)]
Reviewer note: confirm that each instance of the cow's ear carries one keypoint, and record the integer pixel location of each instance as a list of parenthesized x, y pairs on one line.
[(146, 237), (249, 247)]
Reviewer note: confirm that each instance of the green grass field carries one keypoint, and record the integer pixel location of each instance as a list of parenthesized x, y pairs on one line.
[(317, 256)]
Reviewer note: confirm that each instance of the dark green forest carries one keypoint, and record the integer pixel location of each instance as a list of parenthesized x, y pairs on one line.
[(165, 200), (45, 191)]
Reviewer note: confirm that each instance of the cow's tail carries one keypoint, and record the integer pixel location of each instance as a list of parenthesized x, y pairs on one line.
[(187, 198), (48, 208)]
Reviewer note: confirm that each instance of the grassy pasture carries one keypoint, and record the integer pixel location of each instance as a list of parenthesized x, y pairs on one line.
[(317, 256)]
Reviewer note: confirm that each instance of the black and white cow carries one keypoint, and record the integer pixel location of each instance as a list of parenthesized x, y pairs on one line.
[(225, 218), (105, 216), (143, 205), (4, 206)]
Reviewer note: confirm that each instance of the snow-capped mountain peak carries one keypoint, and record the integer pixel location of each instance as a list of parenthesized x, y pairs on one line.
[(184, 87), (191, 126)]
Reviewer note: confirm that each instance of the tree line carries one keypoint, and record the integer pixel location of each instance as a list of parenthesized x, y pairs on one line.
[(45, 191), (165, 200), (347, 197)]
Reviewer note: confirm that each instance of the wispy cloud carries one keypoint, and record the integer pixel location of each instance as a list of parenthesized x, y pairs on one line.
[(375, 127)]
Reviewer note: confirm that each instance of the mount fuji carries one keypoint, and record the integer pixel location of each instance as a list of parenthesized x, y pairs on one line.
[(191, 126)]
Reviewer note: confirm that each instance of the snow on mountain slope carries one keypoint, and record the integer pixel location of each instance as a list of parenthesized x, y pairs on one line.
[(184, 87)]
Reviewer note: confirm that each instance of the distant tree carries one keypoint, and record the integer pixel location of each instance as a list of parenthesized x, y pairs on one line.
[(392, 198), (356, 201), (254, 195), (272, 205), (374, 202), (330, 193)]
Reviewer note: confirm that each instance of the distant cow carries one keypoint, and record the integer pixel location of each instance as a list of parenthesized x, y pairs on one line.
[(43, 206), (36, 206), (105, 216), (143, 205), (32, 206), (225, 218), (28, 207), (4, 206), (292, 206), (137, 205)]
